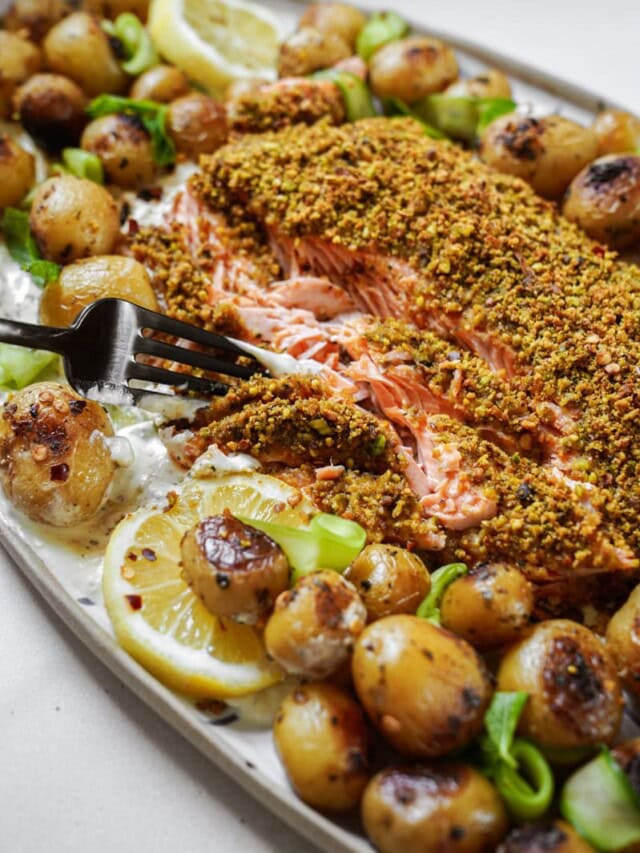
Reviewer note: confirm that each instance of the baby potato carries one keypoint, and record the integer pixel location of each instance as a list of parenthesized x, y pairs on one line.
[(575, 699), (124, 148), (604, 200), (54, 462), (548, 152), (411, 68), (197, 124), (627, 755), (35, 17), (490, 606), (309, 50), (623, 642), (83, 282), (313, 627), (491, 83), (389, 580), (339, 18), (17, 172), (19, 59), (162, 83), (550, 837), (618, 132), (112, 8), (78, 47), (424, 688), (52, 109), (429, 807), (234, 569), (324, 744), (72, 218)]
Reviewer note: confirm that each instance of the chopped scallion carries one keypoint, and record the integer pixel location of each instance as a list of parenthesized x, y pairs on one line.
[(358, 102), (139, 49), (380, 29), (20, 366), (461, 117), (83, 164), (440, 580)]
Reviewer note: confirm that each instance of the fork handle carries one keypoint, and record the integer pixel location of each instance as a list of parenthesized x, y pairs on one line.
[(49, 338)]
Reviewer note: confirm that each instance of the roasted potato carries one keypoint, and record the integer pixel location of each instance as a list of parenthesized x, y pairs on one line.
[(549, 837), (162, 83), (309, 50), (124, 148), (17, 172), (411, 68), (618, 132), (491, 83), (338, 18), (113, 8), (623, 642), (35, 17), (19, 59), (197, 124), (52, 109)]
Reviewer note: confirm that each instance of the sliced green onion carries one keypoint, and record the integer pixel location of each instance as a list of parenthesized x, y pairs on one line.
[(23, 249), (440, 580), (358, 102), (152, 115), (527, 790), (461, 117), (330, 542), (20, 366), (83, 164), (380, 29), (501, 720), (600, 803), (396, 107), (136, 42)]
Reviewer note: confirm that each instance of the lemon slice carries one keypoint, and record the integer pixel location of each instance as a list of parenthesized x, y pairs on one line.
[(155, 615), (216, 41)]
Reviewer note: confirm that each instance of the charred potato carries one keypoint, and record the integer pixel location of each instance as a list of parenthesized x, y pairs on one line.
[(324, 744), (618, 132), (52, 109), (339, 18), (73, 218), (555, 837), (314, 625), (424, 688), (604, 200), (490, 606), (197, 124), (309, 50), (547, 152), (113, 8), (124, 148), (491, 83), (627, 755), (411, 68), (623, 642), (83, 282), (19, 59), (162, 83), (389, 580), (446, 806), (35, 17), (234, 569), (17, 172), (54, 462), (575, 699)]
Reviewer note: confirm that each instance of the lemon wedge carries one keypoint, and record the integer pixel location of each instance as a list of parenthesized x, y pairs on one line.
[(155, 615), (216, 41)]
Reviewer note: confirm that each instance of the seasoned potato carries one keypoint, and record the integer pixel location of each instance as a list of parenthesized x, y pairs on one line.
[(82, 283), (548, 153), (234, 569), (309, 50), (244, 86), (623, 642), (72, 218), (618, 132), (552, 837), (314, 625), (162, 83), (113, 8), (423, 687), (124, 148), (411, 68), (389, 580), (52, 109), (35, 17), (604, 200), (575, 699), (54, 462), (324, 744), (491, 83), (197, 124), (78, 48), (429, 807), (488, 607), (19, 59), (17, 172), (339, 18)]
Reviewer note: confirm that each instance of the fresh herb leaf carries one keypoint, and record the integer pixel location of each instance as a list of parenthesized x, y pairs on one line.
[(440, 580), (380, 29), (136, 42), (23, 249), (358, 102), (501, 721), (20, 366), (152, 115)]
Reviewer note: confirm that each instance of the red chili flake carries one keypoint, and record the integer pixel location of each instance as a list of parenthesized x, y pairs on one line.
[(149, 554), (60, 473), (599, 251), (132, 556), (135, 601)]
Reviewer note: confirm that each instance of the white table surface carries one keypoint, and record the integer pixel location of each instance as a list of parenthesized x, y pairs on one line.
[(84, 765)]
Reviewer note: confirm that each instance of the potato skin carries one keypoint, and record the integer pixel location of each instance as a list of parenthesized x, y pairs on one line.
[(411, 68), (197, 124), (575, 700), (78, 47), (491, 83), (52, 109), (17, 172), (389, 580), (308, 50), (490, 606), (604, 200), (434, 807), (35, 17), (112, 8), (339, 18), (618, 132), (83, 282), (547, 153), (73, 218), (623, 642), (54, 463), (553, 837), (19, 59), (313, 626), (325, 746), (424, 688), (162, 83), (124, 147)]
